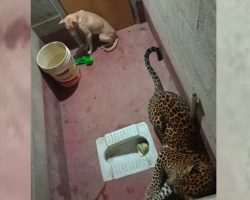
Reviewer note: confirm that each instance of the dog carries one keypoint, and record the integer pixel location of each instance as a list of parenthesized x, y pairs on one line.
[(91, 24)]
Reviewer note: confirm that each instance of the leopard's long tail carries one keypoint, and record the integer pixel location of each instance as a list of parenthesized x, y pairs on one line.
[(157, 82)]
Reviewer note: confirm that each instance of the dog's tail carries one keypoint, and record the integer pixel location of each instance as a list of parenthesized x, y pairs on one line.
[(112, 47)]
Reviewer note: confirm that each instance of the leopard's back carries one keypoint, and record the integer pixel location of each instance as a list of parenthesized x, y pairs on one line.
[(169, 114)]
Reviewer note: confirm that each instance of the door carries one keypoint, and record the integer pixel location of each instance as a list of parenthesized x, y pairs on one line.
[(117, 12)]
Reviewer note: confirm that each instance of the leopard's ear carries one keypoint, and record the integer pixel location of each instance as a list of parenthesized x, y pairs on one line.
[(61, 22), (191, 169)]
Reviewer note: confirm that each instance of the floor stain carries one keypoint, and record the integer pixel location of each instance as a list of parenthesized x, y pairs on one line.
[(87, 196), (61, 189), (74, 189), (143, 29), (136, 110), (102, 193), (88, 109), (119, 126), (130, 190)]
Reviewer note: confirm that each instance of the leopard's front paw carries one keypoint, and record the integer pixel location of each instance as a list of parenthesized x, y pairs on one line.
[(147, 196)]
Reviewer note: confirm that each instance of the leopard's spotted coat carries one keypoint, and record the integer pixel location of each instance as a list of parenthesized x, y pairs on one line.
[(183, 166)]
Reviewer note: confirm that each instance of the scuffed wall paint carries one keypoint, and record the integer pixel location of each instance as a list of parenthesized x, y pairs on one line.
[(45, 16), (15, 100), (233, 100), (187, 29)]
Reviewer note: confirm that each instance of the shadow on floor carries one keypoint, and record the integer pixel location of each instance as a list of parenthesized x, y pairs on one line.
[(60, 92)]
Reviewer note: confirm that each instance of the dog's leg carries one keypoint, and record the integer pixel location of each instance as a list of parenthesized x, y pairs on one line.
[(89, 41), (110, 41), (106, 38), (88, 37)]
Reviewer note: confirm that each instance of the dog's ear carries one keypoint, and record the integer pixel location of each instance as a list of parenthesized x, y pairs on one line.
[(75, 24), (61, 22)]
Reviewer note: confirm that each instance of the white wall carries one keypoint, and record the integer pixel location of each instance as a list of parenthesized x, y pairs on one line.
[(187, 29)]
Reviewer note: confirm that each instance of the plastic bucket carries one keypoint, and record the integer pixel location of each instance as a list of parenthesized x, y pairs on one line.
[(56, 60)]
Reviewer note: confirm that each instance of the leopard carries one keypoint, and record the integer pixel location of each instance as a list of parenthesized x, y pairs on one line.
[(183, 166), (185, 174)]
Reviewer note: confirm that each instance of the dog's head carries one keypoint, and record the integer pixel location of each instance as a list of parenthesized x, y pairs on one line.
[(70, 22)]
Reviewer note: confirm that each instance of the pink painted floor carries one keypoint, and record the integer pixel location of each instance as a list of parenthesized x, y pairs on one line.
[(113, 93)]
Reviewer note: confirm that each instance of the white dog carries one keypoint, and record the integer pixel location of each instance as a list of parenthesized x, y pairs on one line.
[(90, 23)]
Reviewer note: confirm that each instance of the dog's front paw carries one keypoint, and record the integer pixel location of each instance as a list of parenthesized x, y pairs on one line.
[(89, 52)]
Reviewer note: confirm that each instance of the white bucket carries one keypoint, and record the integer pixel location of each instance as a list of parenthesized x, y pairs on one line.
[(55, 59)]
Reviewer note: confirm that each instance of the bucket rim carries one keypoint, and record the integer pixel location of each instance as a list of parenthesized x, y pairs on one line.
[(51, 43)]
